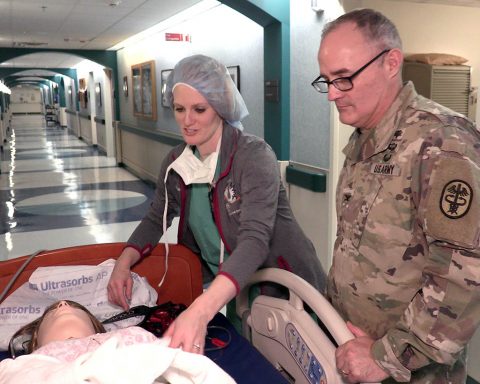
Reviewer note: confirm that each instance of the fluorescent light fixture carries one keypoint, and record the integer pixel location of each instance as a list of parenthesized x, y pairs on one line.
[(4, 88), (315, 4), (88, 66), (180, 17)]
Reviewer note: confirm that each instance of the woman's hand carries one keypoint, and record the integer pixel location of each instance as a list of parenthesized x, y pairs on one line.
[(121, 283), (188, 331)]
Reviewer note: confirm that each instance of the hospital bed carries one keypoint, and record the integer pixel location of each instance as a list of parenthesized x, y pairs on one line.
[(297, 348)]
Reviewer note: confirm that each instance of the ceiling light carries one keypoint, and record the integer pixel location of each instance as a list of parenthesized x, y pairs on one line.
[(23, 44), (316, 6), (4, 88)]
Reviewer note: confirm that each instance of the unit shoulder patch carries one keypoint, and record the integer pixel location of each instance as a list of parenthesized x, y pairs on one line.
[(456, 199), (451, 205)]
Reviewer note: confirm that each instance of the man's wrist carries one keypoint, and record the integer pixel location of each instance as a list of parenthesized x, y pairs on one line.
[(384, 356)]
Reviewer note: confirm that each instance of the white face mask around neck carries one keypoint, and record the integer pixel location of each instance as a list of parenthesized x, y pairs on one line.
[(193, 170)]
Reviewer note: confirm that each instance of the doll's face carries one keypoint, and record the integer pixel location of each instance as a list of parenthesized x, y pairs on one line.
[(64, 322)]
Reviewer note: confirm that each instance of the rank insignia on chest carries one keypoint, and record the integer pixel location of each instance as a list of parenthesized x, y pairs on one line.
[(385, 169)]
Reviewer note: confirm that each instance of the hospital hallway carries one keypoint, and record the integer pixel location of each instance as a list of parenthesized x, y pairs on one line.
[(56, 191)]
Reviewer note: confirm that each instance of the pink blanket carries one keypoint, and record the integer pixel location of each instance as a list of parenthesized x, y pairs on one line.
[(125, 356)]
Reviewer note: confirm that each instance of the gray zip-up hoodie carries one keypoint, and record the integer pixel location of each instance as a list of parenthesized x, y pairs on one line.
[(251, 212)]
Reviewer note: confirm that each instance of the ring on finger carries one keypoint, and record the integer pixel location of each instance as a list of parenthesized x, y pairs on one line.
[(196, 346), (343, 372)]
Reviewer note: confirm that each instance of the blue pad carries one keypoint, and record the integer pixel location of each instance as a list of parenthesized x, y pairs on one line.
[(239, 358)]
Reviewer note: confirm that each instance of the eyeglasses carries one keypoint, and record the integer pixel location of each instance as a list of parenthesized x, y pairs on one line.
[(341, 83)]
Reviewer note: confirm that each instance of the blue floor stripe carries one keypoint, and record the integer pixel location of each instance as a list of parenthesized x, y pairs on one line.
[(66, 169), (16, 220)]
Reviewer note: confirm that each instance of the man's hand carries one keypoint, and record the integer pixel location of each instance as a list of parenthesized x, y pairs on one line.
[(355, 361)]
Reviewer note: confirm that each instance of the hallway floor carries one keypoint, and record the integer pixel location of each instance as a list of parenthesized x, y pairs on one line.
[(56, 191)]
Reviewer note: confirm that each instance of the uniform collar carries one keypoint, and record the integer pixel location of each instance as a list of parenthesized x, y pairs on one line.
[(365, 144)]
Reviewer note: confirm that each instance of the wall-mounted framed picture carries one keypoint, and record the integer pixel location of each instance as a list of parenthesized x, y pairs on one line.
[(164, 75), (98, 94), (144, 90), (234, 72), (125, 86)]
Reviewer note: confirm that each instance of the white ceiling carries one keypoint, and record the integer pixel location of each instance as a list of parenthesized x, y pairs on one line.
[(76, 24), (463, 3), (90, 24)]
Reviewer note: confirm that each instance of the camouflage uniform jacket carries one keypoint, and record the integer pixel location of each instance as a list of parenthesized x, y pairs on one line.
[(406, 263)]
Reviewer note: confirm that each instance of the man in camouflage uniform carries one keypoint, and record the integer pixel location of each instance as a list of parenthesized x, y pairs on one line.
[(406, 266)]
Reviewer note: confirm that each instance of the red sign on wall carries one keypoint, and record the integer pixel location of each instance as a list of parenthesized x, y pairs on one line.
[(174, 36)]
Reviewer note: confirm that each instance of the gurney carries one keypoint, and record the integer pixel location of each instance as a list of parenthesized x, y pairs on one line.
[(288, 343)]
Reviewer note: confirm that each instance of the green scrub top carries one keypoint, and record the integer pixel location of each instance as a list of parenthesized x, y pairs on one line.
[(202, 224)]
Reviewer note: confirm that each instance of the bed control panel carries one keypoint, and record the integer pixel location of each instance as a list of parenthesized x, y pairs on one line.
[(304, 356), (288, 335)]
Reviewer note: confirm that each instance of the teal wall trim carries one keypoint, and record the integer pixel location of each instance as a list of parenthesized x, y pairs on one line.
[(313, 181), (21, 80), (106, 58), (471, 380), (274, 16), (11, 80), (61, 92), (163, 137), (25, 81), (7, 73), (251, 10)]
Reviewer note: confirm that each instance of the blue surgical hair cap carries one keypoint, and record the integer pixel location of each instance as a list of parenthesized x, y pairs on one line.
[(212, 80)]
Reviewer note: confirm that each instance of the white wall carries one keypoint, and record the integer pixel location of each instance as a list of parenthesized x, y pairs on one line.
[(316, 138), (83, 72), (213, 33), (26, 99), (26, 95), (309, 110), (433, 28)]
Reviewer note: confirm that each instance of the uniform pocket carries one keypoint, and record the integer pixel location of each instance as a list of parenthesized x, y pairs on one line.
[(355, 207)]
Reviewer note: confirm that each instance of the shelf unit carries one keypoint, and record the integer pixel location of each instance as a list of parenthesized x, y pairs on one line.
[(448, 85), (50, 115)]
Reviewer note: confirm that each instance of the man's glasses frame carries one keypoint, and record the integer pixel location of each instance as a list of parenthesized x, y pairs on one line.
[(342, 83)]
